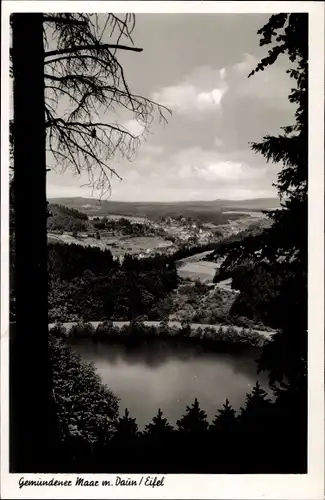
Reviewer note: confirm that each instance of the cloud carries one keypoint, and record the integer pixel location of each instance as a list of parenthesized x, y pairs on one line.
[(190, 174), (202, 91), (135, 127), (272, 85), (218, 142), (245, 66), (206, 167), (152, 149)]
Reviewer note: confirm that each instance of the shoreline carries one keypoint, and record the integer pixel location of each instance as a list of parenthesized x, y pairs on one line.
[(136, 333)]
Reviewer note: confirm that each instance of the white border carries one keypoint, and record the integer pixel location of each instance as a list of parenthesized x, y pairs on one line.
[(309, 486)]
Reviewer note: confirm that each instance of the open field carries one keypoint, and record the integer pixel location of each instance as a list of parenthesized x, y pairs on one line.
[(118, 245), (195, 258), (202, 270), (70, 239), (138, 244)]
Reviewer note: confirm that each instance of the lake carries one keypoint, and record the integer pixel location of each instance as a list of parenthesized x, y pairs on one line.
[(164, 376)]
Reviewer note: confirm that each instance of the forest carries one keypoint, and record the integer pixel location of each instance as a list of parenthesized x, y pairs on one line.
[(71, 421), (86, 283), (62, 218)]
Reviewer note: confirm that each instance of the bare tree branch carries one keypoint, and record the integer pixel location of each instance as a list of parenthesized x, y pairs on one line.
[(97, 47), (54, 19), (88, 103)]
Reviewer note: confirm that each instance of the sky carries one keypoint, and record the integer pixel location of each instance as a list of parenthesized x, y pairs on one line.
[(197, 65)]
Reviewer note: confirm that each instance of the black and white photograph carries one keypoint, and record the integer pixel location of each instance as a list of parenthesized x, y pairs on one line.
[(158, 212)]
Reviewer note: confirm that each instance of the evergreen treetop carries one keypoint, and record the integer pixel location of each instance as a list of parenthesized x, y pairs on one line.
[(194, 420)]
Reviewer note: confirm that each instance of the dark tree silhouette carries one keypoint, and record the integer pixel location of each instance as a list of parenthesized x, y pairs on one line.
[(225, 420), (284, 244), (257, 431), (84, 75), (125, 442), (224, 433), (194, 421), (158, 438), (159, 428), (32, 430), (257, 404), (126, 427)]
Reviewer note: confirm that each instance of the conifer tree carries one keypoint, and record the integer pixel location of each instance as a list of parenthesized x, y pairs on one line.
[(284, 244), (257, 405), (194, 421), (225, 420), (159, 428), (126, 427)]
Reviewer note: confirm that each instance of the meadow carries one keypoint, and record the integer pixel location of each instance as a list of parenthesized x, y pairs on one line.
[(203, 270)]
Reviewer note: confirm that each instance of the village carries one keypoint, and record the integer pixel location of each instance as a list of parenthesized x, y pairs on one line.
[(142, 237)]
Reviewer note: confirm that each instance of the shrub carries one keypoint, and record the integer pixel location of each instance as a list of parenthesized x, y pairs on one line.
[(82, 330), (105, 330), (87, 410), (59, 331)]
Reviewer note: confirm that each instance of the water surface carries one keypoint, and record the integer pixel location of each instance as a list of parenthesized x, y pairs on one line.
[(159, 376)]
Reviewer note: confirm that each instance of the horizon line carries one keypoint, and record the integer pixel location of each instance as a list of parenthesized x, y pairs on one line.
[(166, 201)]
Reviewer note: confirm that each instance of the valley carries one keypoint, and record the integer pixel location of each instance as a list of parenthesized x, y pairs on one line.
[(190, 244), (153, 231)]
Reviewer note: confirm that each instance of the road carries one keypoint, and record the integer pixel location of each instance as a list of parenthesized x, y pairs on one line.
[(176, 324)]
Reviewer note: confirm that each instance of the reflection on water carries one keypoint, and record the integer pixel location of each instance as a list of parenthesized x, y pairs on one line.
[(160, 375)]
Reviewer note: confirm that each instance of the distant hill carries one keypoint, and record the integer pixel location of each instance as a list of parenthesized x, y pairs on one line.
[(255, 204), (207, 211)]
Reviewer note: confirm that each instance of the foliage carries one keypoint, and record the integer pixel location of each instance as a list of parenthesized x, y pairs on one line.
[(82, 330), (284, 245), (199, 304), (123, 226), (87, 283), (256, 405), (86, 408), (194, 421), (259, 286), (126, 427), (138, 333), (225, 420), (66, 219), (159, 429), (97, 440)]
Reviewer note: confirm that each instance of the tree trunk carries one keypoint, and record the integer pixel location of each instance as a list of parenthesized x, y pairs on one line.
[(32, 423)]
